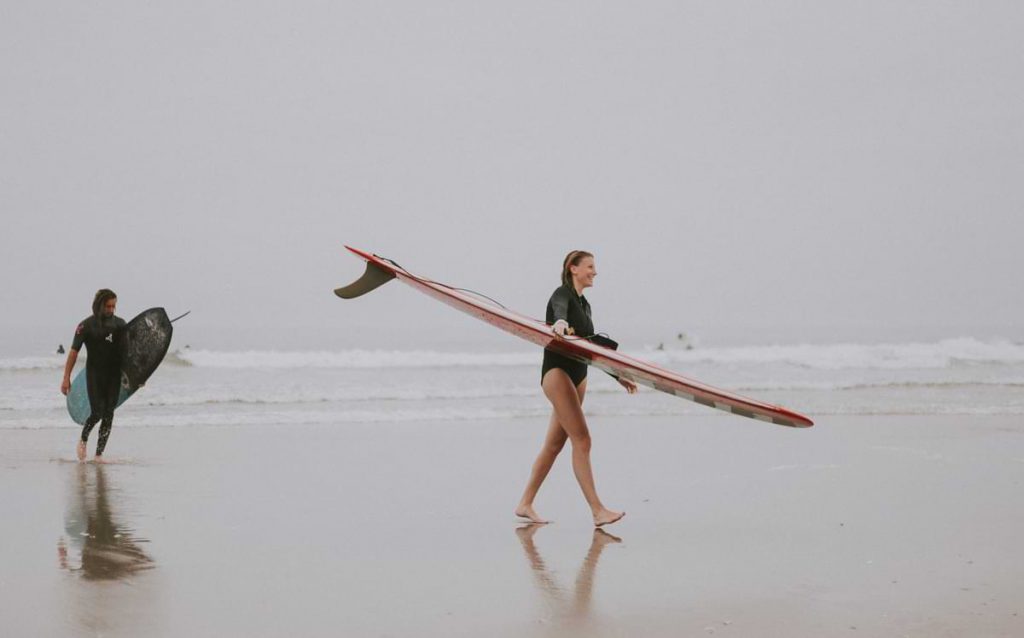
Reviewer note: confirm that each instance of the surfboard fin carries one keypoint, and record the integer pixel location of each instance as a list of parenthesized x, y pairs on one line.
[(373, 278)]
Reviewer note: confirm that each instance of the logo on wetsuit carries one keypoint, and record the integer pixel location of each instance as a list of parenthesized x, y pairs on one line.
[(110, 337)]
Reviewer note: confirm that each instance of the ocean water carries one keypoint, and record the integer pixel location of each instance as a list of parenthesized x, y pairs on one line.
[(203, 387)]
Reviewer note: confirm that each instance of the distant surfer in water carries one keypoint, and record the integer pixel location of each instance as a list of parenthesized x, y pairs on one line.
[(564, 381), (101, 334)]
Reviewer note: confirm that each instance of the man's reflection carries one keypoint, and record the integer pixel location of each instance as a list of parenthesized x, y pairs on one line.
[(577, 609), (96, 545)]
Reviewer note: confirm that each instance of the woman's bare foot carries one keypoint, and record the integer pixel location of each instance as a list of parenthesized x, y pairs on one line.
[(602, 538), (81, 450), (526, 511), (607, 517), (99, 459), (525, 532)]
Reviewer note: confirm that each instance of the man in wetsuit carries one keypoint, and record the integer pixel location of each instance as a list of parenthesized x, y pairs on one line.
[(102, 334)]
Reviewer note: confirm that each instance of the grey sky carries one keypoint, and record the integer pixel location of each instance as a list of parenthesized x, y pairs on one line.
[(746, 171)]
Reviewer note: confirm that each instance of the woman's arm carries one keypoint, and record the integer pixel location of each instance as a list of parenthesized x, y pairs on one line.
[(560, 311)]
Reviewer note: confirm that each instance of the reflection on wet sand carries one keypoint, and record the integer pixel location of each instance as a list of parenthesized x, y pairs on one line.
[(567, 612), (96, 545)]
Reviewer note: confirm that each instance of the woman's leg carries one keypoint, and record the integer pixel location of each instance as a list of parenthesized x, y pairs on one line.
[(560, 391), (554, 441)]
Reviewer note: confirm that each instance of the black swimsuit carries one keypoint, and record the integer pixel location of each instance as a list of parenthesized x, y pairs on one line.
[(574, 309)]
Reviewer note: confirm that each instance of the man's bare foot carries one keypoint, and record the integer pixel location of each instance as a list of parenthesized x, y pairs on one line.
[(607, 517), (99, 459), (526, 511), (81, 450)]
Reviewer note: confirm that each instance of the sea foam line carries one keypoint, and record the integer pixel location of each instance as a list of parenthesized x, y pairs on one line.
[(949, 353)]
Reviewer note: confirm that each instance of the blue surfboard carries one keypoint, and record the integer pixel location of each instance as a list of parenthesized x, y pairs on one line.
[(78, 398), (145, 342)]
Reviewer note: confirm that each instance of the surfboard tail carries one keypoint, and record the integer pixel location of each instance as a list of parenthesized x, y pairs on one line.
[(373, 277)]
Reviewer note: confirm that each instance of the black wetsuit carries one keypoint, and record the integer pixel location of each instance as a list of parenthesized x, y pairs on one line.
[(574, 309), (102, 338)]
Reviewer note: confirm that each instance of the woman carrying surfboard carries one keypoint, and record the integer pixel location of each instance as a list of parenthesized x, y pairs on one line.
[(101, 334), (564, 372), (564, 381)]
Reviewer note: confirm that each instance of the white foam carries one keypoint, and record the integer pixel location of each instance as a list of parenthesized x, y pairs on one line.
[(310, 395), (33, 363), (354, 359), (886, 356), (959, 376)]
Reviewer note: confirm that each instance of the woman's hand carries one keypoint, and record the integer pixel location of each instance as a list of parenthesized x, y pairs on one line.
[(629, 385), (560, 327), (65, 386)]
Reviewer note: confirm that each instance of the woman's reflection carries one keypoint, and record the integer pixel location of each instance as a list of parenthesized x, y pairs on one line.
[(577, 610), (96, 545)]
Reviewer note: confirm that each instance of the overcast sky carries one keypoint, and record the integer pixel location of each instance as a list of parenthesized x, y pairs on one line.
[(750, 172)]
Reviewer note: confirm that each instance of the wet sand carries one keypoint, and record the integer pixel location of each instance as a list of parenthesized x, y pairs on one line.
[(861, 526)]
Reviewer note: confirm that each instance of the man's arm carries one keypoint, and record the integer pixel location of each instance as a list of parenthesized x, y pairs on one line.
[(76, 345), (65, 385)]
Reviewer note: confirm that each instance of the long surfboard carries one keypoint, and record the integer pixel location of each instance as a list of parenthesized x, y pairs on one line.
[(380, 270), (145, 342)]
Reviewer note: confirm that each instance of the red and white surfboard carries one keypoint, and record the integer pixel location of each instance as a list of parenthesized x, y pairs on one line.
[(380, 270)]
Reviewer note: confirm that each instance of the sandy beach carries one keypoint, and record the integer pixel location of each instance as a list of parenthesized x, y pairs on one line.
[(870, 526)]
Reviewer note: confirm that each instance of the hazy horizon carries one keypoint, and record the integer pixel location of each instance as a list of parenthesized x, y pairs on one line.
[(745, 173)]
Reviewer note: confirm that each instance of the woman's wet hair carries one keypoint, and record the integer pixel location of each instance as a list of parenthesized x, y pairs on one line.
[(103, 295), (572, 259)]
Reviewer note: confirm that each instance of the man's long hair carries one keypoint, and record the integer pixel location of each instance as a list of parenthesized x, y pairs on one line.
[(102, 296)]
